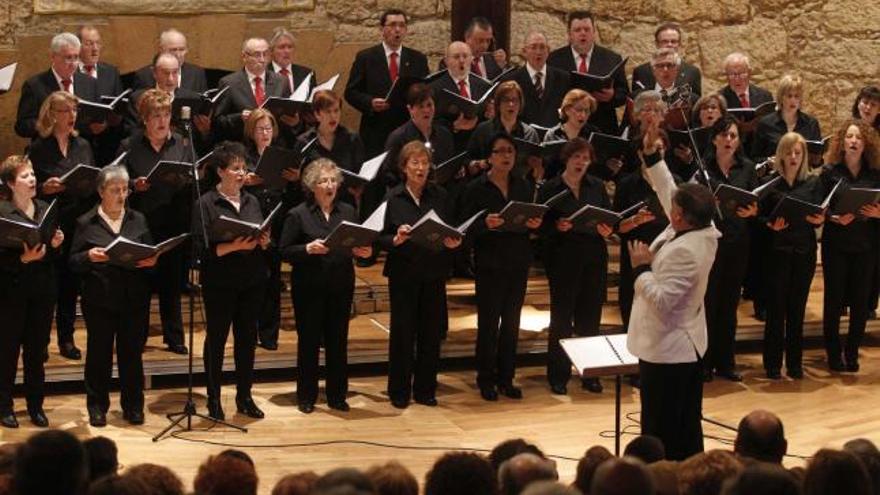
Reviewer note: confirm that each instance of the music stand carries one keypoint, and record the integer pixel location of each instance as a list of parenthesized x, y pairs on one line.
[(599, 356)]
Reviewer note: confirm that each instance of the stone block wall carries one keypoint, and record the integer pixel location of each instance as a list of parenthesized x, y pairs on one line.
[(833, 44)]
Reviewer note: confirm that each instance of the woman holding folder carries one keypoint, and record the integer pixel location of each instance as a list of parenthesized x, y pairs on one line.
[(576, 108), (57, 151), (27, 293), (416, 281), (322, 284), (164, 202), (115, 300), (233, 276), (791, 257), (502, 254), (576, 259), (849, 240), (726, 164)]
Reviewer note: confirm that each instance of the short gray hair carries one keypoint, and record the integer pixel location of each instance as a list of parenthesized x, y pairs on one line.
[(736, 58), (666, 52), (278, 33), (110, 174), (313, 171), (646, 97), (64, 40), (244, 44)]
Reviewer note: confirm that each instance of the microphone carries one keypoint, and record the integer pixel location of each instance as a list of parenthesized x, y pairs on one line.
[(186, 121)]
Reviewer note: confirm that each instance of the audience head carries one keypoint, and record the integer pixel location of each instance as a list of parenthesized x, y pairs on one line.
[(833, 472), (64, 54), (789, 93), (522, 469), (458, 59), (344, 481), (577, 106), (226, 475), (536, 50), (867, 452), (393, 23), (547, 487), (855, 139), (478, 35), (255, 55), (51, 462), (9, 451), (668, 35), (665, 476), (103, 457), (708, 109), (460, 472), (392, 478), (58, 114), (706, 472), (509, 448), (587, 465), (296, 484), (867, 105), (166, 71), (665, 63), (174, 42), (622, 476), (646, 448), (508, 99), (791, 154), (693, 207), (120, 485), (581, 31), (283, 46), (162, 480), (737, 69), (90, 41), (762, 478)]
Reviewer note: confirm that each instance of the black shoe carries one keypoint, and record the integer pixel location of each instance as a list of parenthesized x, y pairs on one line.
[(852, 365), (306, 407), (795, 373), (708, 376), (177, 349), (70, 351), (429, 401), (731, 375), (248, 407), (836, 365), (489, 393), (7, 420), (97, 418), (133, 417), (339, 405), (269, 346), (38, 417), (400, 402), (510, 391), (774, 374), (592, 385), (365, 262), (215, 410), (558, 389)]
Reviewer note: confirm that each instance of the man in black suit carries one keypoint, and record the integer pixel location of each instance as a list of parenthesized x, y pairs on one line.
[(372, 73), (543, 86), (248, 89), (106, 76), (666, 71), (459, 80), (479, 37), (283, 47), (739, 92), (585, 56), (667, 35), (192, 77), (62, 75)]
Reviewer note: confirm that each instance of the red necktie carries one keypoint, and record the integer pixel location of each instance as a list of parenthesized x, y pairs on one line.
[(475, 67), (462, 89), (66, 83), (259, 94), (286, 74), (90, 70), (582, 68), (744, 100), (392, 66)]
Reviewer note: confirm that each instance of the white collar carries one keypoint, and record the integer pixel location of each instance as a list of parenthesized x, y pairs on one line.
[(577, 56), (389, 50), (532, 72)]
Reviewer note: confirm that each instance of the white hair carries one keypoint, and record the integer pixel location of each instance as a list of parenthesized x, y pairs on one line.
[(665, 52), (736, 58), (64, 40)]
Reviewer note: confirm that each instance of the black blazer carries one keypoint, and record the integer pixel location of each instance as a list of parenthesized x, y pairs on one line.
[(772, 127), (103, 284), (688, 73), (105, 144), (545, 111), (601, 62), (36, 89), (368, 79), (299, 73), (108, 80), (19, 280), (757, 96), (192, 77), (228, 123), (493, 70), (447, 110)]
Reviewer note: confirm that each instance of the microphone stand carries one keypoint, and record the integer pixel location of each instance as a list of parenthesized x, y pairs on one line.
[(189, 408), (700, 164)]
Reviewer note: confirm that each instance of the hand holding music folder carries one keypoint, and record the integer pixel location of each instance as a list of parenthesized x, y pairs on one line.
[(730, 198), (468, 106), (852, 200), (588, 217), (81, 180), (13, 232), (749, 114), (795, 210), (367, 173), (171, 173), (348, 235), (127, 253), (592, 82), (446, 171), (226, 229), (272, 164), (202, 104), (430, 230), (516, 213), (91, 111)]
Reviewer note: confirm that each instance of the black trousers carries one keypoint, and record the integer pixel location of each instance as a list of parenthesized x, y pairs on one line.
[(500, 295), (321, 316), (722, 299), (626, 286), (270, 314), (418, 313), (27, 322), (68, 291), (788, 279), (238, 307), (169, 285), (847, 281), (672, 406), (125, 325), (577, 291)]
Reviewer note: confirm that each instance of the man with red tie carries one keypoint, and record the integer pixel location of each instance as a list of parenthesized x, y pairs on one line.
[(283, 47), (479, 37), (740, 93), (583, 55), (459, 79), (106, 77), (248, 89)]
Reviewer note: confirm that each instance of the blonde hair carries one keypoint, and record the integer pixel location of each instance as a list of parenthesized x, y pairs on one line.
[(250, 126), (46, 120), (410, 150), (572, 98), (153, 100), (786, 144), (788, 84)]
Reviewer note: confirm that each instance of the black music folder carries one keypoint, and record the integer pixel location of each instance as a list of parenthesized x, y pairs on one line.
[(609, 146), (171, 173), (683, 138), (369, 170), (588, 217), (592, 82), (818, 147), (547, 148), (446, 171), (13, 233), (348, 235), (517, 213), (795, 210), (91, 111), (202, 104), (81, 180), (430, 230), (272, 164), (853, 199), (468, 106), (127, 253), (749, 114), (730, 198), (226, 229)]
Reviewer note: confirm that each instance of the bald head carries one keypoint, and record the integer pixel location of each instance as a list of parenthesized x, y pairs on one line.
[(622, 476), (174, 42), (520, 470), (760, 435), (458, 59)]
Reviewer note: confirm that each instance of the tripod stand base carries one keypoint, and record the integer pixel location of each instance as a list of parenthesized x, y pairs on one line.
[(189, 412)]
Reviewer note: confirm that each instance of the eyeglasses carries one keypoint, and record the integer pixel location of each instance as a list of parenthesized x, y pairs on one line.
[(665, 66), (266, 129), (395, 25), (258, 55), (737, 75), (116, 190)]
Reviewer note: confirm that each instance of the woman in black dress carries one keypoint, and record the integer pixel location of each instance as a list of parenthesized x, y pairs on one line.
[(322, 285), (849, 241), (576, 108), (233, 276), (788, 117), (115, 300), (27, 294), (416, 281)]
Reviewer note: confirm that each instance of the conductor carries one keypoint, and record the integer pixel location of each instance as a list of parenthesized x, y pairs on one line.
[(667, 329)]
